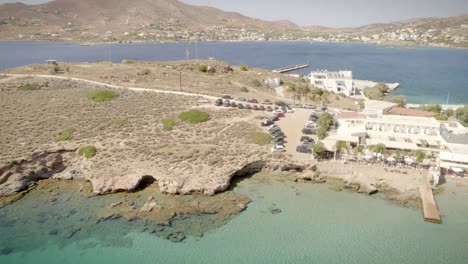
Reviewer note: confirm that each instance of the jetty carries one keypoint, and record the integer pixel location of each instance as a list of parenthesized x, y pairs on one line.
[(429, 206), (291, 68)]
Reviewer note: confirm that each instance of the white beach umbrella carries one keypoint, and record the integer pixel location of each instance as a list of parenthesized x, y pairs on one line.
[(409, 160)]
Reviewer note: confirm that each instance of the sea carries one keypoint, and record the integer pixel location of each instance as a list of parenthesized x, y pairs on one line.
[(426, 74), (311, 224)]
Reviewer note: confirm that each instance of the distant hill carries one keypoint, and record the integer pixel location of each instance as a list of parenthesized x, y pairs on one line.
[(172, 20), (90, 18)]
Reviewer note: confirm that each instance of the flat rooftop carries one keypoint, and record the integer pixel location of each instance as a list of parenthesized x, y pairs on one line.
[(378, 105), (335, 74), (350, 115)]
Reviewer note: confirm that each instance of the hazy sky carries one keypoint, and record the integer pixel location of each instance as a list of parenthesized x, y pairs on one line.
[(335, 13)]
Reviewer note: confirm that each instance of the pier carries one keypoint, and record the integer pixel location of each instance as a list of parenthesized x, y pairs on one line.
[(429, 206), (291, 68)]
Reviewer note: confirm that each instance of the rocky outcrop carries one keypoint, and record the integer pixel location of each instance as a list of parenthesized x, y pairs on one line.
[(21, 175)]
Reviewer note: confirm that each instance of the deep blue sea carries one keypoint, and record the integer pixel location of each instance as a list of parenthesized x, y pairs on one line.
[(426, 74)]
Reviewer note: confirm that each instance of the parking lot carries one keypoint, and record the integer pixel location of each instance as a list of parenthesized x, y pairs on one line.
[(292, 125)]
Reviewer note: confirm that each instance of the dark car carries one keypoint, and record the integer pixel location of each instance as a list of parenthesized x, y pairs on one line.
[(274, 118), (226, 103), (303, 149), (225, 96), (255, 107), (253, 101), (233, 104), (267, 102), (269, 109), (308, 131), (281, 103), (240, 106), (279, 135), (267, 123), (219, 102), (308, 139), (261, 107), (248, 107), (274, 130)]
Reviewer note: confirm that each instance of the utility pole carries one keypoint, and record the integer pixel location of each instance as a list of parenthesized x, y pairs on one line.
[(196, 51), (180, 80)]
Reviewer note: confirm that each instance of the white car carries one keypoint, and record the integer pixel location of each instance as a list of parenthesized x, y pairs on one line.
[(290, 110), (278, 148)]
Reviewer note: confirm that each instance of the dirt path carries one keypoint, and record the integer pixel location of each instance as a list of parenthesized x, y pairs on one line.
[(107, 85)]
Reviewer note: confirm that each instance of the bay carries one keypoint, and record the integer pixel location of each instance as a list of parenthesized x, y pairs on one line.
[(426, 74)]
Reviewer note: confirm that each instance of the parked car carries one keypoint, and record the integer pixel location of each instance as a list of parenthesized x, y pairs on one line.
[(279, 136), (267, 102), (240, 106), (240, 99), (274, 129), (269, 109), (248, 107), (273, 126), (219, 102), (308, 106), (274, 118), (279, 114), (303, 149), (226, 103), (308, 139), (267, 123), (278, 148), (261, 107), (253, 101), (225, 96), (255, 107), (308, 131), (233, 104), (289, 110)]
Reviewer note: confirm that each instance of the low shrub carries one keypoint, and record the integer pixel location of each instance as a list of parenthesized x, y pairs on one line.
[(70, 130), (244, 67), (88, 151), (144, 72), (202, 68), (256, 83), (64, 137), (168, 123), (194, 116), (100, 96), (120, 121), (260, 138), (244, 89), (29, 87)]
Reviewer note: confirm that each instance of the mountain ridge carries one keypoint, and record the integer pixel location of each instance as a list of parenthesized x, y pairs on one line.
[(173, 20)]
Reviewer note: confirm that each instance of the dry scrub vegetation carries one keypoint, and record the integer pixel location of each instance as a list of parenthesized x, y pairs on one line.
[(128, 135), (223, 79)]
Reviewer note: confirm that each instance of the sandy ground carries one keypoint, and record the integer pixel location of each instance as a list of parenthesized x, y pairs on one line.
[(292, 126)]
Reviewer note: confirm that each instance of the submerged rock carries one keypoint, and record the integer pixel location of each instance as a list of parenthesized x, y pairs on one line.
[(275, 210), (176, 237), (6, 251)]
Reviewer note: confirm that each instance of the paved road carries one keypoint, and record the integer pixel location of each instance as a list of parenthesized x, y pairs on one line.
[(138, 89)]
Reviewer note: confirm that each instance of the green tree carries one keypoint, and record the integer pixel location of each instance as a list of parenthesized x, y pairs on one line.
[(359, 149), (435, 108), (420, 155), (340, 146), (293, 89), (373, 93), (379, 148), (319, 150), (400, 100), (398, 155), (462, 115)]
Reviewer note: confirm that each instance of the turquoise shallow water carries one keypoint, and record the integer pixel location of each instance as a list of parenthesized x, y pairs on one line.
[(316, 225)]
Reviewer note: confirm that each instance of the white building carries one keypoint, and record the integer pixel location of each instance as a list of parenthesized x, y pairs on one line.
[(375, 108), (448, 139), (336, 82)]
